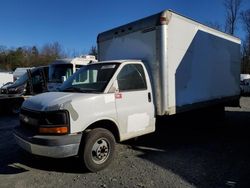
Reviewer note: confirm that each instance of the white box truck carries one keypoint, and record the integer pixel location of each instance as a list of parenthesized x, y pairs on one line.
[(170, 64), (190, 63), (61, 69)]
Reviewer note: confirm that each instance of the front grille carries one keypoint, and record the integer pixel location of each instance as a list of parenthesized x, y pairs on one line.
[(4, 91)]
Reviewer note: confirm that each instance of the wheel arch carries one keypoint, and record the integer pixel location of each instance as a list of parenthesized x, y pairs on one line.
[(106, 124)]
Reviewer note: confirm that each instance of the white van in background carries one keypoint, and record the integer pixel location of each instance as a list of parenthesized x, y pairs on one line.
[(5, 77), (61, 69), (245, 84)]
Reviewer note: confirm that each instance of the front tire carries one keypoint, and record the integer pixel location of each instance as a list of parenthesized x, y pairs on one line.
[(98, 148)]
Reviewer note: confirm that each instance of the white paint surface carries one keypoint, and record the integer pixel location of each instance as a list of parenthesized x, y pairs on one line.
[(5, 77), (200, 64), (109, 98), (138, 122)]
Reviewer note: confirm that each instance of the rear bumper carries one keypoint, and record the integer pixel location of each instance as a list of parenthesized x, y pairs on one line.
[(49, 146)]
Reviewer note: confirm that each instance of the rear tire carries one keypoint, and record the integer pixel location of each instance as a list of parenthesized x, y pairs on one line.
[(98, 148)]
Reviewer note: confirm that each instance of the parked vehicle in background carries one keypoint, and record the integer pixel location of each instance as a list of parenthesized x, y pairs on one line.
[(244, 77), (167, 64), (19, 72), (245, 84), (61, 69), (5, 77), (32, 82), (38, 80), (22, 86)]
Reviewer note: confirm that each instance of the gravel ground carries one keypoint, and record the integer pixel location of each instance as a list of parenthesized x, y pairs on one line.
[(185, 151)]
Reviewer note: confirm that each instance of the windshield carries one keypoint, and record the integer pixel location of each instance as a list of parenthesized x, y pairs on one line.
[(24, 78), (56, 72), (90, 78), (21, 80)]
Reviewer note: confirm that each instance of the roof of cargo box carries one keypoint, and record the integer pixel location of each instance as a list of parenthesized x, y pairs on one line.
[(148, 23)]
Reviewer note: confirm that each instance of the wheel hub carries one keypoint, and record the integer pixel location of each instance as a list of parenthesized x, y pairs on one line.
[(100, 151)]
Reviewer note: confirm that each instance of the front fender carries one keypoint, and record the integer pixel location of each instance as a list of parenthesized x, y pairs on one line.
[(85, 112)]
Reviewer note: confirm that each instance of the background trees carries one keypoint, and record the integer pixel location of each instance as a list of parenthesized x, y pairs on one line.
[(232, 8), (29, 56), (11, 58), (245, 17), (93, 51)]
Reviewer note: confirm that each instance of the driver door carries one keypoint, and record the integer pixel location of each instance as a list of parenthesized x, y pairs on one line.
[(134, 105)]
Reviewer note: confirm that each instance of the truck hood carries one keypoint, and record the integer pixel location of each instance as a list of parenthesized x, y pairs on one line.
[(52, 101), (6, 86)]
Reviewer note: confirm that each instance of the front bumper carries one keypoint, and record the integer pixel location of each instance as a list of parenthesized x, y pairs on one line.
[(50, 146)]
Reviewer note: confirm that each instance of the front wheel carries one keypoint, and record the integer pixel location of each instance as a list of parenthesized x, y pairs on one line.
[(98, 148)]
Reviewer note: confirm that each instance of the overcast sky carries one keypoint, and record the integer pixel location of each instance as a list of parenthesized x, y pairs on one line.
[(75, 24)]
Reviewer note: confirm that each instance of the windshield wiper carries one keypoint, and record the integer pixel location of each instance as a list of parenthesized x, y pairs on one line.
[(55, 81), (75, 89)]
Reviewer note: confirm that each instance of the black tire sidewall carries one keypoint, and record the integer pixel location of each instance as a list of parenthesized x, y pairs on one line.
[(89, 140)]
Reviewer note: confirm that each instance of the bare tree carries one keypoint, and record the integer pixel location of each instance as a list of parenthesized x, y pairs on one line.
[(245, 18), (232, 13), (34, 51), (3, 49), (53, 50), (93, 51)]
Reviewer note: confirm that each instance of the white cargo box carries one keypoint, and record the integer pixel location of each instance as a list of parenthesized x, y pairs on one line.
[(190, 64)]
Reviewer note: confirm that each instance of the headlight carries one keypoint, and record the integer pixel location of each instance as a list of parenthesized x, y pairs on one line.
[(56, 122), (56, 118)]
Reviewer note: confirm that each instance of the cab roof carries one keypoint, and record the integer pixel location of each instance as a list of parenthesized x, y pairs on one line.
[(118, 61)]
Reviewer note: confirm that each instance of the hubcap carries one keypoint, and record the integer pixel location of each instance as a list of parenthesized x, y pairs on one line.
[(100, 151)]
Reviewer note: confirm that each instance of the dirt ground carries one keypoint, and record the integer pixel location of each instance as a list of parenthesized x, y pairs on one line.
[(185, 151)]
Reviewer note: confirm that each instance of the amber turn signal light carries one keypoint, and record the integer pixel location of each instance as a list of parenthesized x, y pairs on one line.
[(53, 130)]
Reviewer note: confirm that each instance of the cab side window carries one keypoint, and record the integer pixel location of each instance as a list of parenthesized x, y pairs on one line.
[(132, 77)]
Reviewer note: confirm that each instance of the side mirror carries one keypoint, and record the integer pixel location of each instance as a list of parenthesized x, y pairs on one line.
[(63, 79)]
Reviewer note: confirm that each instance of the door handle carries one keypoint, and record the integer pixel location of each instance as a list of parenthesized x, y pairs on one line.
[(149, 97)]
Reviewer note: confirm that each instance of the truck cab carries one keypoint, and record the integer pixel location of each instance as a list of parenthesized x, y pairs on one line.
[(61, 69), (100, 104)]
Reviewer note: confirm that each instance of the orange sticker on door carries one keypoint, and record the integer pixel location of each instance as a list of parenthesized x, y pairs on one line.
[(118, 95)]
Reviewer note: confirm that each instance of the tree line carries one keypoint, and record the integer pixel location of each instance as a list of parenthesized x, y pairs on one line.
[(234, 16), (10, 59)]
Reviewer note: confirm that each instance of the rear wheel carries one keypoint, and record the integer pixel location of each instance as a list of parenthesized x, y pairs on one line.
[(97, 151)]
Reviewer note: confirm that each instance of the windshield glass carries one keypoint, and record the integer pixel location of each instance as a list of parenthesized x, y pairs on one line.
[(90, 78), (21, 80), (24, 78), (56, 72)]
